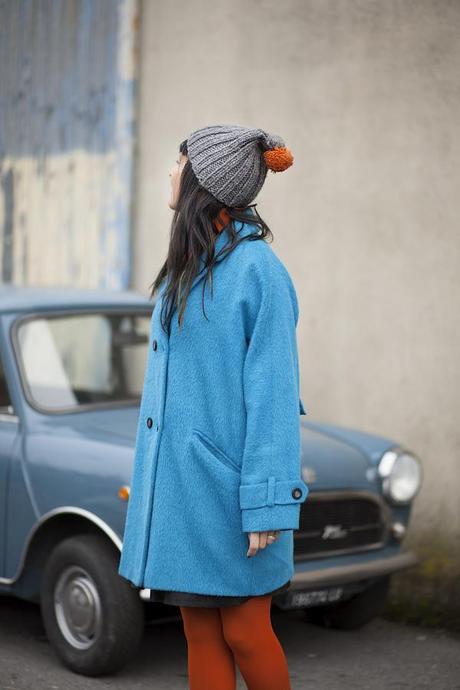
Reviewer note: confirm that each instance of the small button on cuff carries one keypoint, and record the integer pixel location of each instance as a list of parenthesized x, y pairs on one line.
[(149, 422), (296, 493), (154, 344)]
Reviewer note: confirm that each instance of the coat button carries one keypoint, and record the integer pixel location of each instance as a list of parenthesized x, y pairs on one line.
[(154, 344), (149, 422), (296, 493)]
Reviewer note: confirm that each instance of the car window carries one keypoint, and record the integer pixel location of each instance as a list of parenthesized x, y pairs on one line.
[(83, 359), (6, 406)]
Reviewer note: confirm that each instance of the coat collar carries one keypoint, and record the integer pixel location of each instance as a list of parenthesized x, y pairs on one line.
[(224, 239), (242, 229)]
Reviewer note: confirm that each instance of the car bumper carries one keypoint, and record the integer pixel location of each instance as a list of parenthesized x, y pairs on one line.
[(338, 582), (352, 572), (350, 577)]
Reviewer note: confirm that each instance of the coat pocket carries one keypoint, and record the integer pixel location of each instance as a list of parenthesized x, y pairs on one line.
[(211, 547), (213, 449)]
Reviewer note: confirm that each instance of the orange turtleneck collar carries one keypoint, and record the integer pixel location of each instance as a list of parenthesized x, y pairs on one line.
[(223, 217)]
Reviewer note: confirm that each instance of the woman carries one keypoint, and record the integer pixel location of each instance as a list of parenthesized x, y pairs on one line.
[(216, 486)]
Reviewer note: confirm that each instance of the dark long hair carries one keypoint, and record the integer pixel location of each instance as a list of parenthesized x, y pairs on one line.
[(193, 233)]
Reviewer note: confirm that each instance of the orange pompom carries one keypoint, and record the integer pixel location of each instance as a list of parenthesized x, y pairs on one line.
[(278, 159)]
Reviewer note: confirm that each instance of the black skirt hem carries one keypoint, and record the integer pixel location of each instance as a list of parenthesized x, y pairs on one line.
[(176, 598)]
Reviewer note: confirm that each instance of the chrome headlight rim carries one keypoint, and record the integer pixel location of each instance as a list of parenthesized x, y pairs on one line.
[(386, 466)]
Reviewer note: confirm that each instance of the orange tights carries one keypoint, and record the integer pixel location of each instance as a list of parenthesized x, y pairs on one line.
[(219, 637)]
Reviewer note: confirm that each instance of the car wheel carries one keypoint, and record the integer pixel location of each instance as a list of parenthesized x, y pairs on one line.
[(93, 618), (355, 612)]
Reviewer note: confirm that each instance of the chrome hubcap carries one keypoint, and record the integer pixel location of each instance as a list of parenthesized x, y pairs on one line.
[(77, 606)]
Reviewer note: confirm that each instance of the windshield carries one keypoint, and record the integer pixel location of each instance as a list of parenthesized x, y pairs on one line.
[(77, 360)]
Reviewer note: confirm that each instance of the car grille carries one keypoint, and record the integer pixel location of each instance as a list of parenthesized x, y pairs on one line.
[(332, 523)]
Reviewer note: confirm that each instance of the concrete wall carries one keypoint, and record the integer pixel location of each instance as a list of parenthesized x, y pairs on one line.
[(367, 96), (67, 98)]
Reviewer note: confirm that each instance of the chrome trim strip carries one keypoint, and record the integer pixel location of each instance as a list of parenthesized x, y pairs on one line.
[(6, 417), (52, 513), (302, 557), (356, 571), (385, 512)]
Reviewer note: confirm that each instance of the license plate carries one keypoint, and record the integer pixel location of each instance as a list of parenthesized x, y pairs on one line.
[(315, 597)]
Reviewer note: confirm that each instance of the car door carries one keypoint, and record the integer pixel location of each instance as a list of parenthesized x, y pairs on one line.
[(9, 425)]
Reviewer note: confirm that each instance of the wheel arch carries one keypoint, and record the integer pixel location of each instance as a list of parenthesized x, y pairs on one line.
[(52, 528)]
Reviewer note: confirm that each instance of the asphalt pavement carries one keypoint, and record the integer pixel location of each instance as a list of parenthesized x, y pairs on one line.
[(381, 656)]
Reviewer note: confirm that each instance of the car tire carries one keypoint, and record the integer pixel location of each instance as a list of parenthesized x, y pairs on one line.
[(93, 618), (354, 612)]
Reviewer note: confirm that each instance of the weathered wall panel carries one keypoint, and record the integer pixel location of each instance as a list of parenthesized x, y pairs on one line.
[(67, 94)]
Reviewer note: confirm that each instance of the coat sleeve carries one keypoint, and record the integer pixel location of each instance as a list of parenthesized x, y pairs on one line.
[(271, 488)]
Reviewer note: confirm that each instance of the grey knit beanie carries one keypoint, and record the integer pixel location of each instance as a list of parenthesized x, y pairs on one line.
[(231, 161)]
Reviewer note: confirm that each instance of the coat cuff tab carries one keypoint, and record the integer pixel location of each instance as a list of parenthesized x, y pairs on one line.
[(271, 492)]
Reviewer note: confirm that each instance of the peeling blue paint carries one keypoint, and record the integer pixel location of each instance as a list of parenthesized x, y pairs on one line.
[(67, 110), (59, 76)]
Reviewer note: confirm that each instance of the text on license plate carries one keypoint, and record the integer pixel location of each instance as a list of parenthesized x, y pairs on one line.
[(317, 596)]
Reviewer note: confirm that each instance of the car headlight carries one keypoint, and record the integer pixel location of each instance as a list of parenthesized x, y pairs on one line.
[(401, 474)]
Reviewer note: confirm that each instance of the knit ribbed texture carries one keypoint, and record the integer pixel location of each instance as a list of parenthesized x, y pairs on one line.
[(228, 161)]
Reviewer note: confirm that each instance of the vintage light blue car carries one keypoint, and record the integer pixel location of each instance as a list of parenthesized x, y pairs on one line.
[(71, 372)]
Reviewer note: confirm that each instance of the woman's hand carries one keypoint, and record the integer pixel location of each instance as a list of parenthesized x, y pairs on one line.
[(259, 540)]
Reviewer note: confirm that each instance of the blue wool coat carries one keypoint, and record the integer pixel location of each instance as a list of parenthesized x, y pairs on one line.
[(218, 450)]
